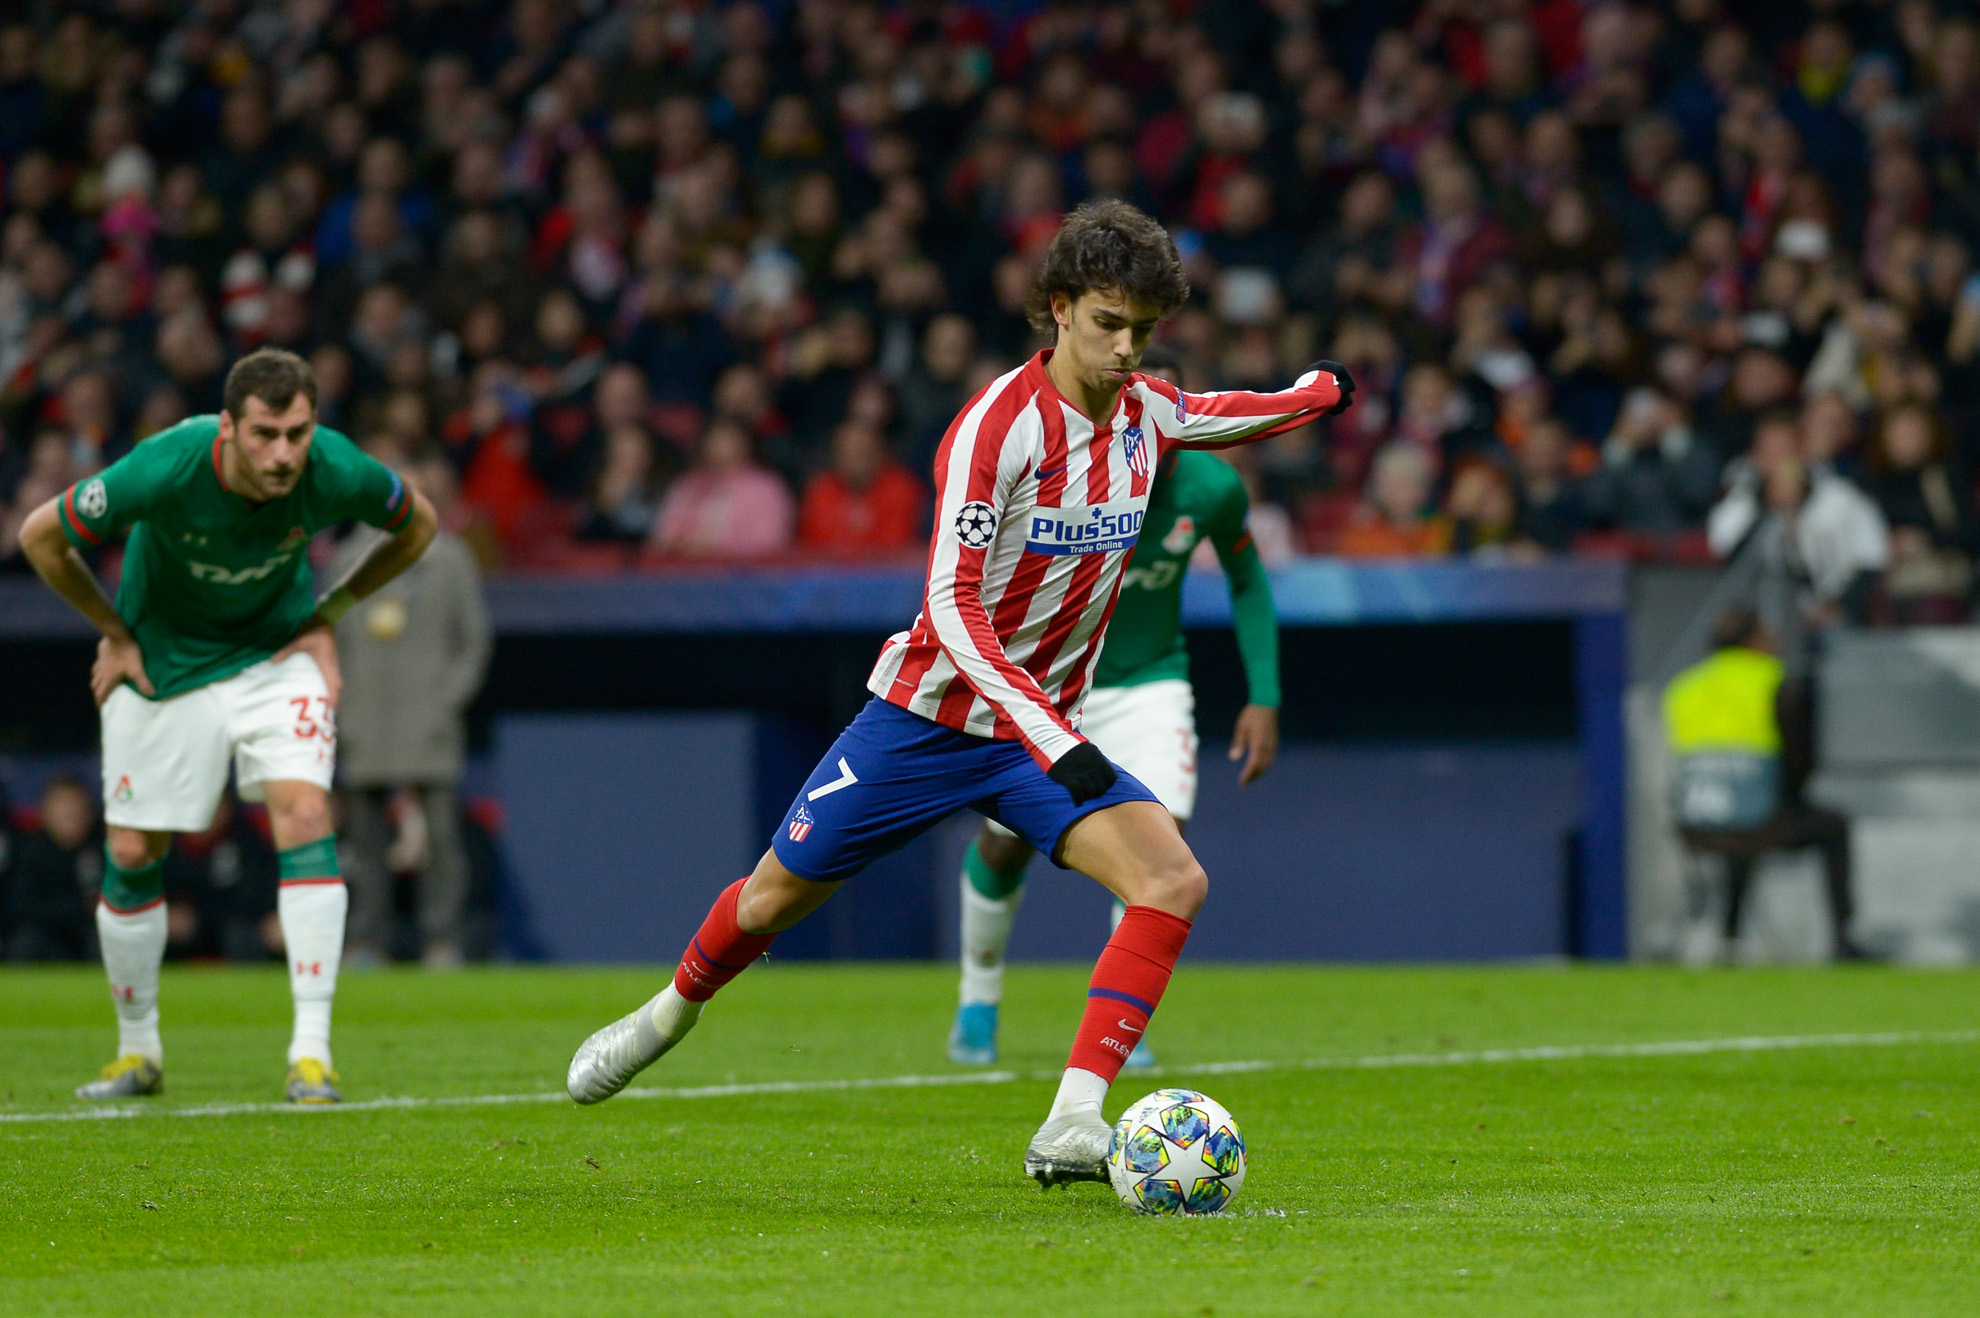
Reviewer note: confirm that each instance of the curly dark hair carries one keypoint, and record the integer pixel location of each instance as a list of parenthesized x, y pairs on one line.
[(1107, 245), (273, 375)]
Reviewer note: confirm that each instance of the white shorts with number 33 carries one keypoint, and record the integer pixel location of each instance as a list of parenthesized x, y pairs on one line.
[(165, 761)]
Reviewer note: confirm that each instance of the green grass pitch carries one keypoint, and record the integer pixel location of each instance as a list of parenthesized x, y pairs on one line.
[(1837, 1178)]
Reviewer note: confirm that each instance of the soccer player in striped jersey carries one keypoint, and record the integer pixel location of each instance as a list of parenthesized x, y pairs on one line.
[(1042, 486), (1142, 712), (217, 654)]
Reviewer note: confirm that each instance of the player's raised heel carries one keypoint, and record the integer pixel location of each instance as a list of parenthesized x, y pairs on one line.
[(1141, 1058), (130, 1076), (310, 1081), (973, 1038), (607, 1061), (1069, 1148)]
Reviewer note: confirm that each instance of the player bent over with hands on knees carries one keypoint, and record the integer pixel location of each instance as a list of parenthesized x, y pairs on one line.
[(215, 652), (1042, 483), (1142, 710)]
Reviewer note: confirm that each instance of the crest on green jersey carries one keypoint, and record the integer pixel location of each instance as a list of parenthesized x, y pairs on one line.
[(93, 499)]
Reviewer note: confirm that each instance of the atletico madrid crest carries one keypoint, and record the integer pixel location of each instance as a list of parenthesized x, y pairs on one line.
[(800, 824), (1136, 449)]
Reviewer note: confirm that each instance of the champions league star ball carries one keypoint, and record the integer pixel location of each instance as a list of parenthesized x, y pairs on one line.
[(1176, 1152)]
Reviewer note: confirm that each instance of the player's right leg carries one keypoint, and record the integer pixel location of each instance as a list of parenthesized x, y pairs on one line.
[(164, 767), (890, 776), (745, 919), (992, 888), (130, 928)]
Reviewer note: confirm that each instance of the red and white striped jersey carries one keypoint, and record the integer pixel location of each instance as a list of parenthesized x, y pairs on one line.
[(1038, 510)]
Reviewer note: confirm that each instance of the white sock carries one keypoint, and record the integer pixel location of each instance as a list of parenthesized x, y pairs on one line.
[(1120, 913), (1080, 1092), (986, 933), (312, 917), (133, 949), (673, 1015)]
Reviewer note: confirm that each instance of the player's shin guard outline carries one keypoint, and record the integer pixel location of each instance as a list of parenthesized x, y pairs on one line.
[(720, 950), (312, 903), (1128, 983)]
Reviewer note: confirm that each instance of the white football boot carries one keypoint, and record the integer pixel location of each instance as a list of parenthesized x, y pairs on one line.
[(1069, 1148), (607, 1061)]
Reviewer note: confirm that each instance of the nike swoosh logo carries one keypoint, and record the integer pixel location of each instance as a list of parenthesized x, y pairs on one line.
[(1133, 1029), (1043, 472)]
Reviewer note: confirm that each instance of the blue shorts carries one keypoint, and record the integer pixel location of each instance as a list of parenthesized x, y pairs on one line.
[(892, 775)]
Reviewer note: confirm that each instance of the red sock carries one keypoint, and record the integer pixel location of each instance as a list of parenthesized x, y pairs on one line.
[(719, 950), (1127, 985)]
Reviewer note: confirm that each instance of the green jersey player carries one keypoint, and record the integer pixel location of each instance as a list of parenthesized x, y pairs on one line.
[(217, 654), (1142, 710)]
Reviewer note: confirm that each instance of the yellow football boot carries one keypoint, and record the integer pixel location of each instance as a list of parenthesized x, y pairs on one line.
[(310, 1082), (130, 1076)]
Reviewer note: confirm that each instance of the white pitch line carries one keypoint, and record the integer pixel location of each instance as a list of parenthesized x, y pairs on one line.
[(1378, 1062)]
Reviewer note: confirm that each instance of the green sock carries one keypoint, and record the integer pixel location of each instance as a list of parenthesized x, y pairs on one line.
[(125, 891), (311, 860), (992, 884)]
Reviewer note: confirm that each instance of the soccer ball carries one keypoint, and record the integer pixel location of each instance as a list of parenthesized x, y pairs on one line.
[(1176, 1151)]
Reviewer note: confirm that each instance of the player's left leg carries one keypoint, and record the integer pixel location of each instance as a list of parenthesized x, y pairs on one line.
[(1135, 851), (1149, 729), (285, 738), (311, 904)]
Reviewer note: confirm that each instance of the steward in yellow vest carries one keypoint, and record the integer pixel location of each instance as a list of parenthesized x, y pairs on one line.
[(1725, 739), (1741, 738)]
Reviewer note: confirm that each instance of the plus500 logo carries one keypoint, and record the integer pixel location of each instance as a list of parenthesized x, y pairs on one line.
[(1094, 529)]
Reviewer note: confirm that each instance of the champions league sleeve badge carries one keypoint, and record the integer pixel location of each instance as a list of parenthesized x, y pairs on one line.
[(976, 524)]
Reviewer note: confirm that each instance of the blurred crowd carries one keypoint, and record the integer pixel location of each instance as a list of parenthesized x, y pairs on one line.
[(638, 280)]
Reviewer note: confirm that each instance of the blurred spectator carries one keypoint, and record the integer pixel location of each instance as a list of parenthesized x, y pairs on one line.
[(726, 506), (1396, 521), (625, 495), (829, 363), (1550, 508), (52, 878), (1814, 530), (933, 391), (413, 656), (1482, 511), (866, 502), (1927, 501), (1656, 478)]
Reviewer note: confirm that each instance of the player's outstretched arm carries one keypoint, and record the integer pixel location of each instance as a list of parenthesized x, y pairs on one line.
[(393, 555), (55, 560), (1216, 420)]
